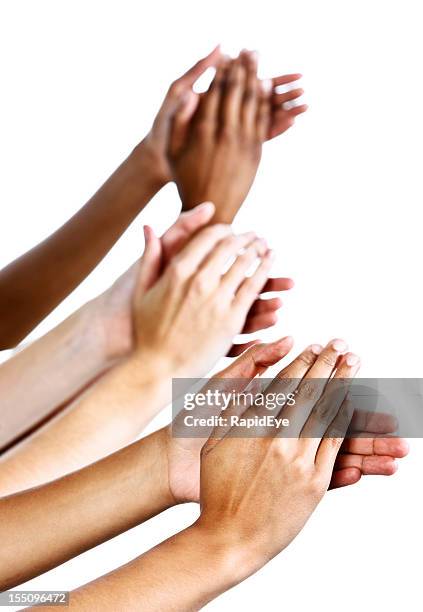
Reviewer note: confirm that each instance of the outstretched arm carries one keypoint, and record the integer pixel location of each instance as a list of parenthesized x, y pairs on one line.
[(34, 284), (112, 412), (59, 365), (62, 519)]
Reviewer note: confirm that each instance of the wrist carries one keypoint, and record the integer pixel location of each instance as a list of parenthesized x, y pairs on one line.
[(155, 445), (147, 390), (151, 162), (228, 556), (106, 331)]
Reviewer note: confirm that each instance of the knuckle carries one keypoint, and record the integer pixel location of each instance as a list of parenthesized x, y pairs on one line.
[(335, 439), (278, 449), (329, 358), (307, 358), (324, 409), (317, 485), (300, 468), (176, 89), (200, 283), (177, 271), (309, 390)]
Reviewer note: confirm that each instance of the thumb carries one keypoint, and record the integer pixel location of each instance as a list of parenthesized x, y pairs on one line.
[(150, 262), (176, 237), (181, 121), (257, 359)]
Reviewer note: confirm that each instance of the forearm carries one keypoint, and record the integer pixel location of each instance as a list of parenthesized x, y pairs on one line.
[(107, 416), (33, 285), (46, 526), (48, 373), (183, 573)]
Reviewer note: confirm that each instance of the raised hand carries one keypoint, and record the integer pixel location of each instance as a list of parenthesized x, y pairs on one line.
[(178, 98), (258, 491), (372, 451), (113, 311), (216, 139), (215, 151), (201, 306)]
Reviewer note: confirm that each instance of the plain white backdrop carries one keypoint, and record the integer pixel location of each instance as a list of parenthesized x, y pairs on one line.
[(339, 197)]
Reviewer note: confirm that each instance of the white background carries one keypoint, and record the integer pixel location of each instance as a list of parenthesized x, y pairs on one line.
[(338, 197)]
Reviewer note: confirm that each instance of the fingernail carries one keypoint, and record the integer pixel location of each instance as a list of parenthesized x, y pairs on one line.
[(352, 359), (339, 345), (316, 349)]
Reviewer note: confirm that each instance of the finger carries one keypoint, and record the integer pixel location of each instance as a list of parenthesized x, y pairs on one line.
[(375, 465), (251, 93), (373, 422), (235, 276), (184, 228), (277, 284), (328, 405), (261, 321), (150, 263), (329, 446), (282, 120), (233, 95), (297, 110), (262, 306), (287, 380), (328, 359), (257, 359), (193, 74), (311, 387), (227, 249), (263, 116), (285, 79), (344, 478), (288, 96), (181, 122), (238, 349), (243, 373), (392, 447), (187, 261), (208, 112), (251, 287), (178, 90)]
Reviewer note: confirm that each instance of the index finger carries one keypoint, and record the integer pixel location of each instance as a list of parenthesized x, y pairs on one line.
[(194, 73)]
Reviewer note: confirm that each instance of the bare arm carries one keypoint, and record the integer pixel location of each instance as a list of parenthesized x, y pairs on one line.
[(183, 573), (48, 373), (33, 285), (114, 411), (45, 526)]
